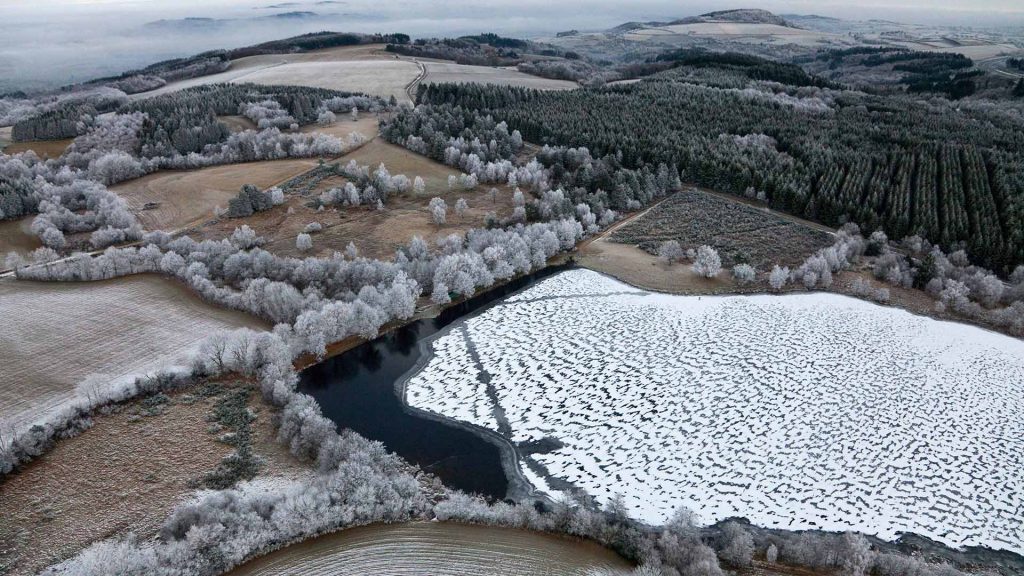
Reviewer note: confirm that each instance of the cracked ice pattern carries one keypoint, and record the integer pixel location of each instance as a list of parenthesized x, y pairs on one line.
[(805, 411)]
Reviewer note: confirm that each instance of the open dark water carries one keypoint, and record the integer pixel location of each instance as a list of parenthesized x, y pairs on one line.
[(357, 390)]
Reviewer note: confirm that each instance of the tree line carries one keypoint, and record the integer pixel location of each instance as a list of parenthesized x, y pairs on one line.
[(956, 177)]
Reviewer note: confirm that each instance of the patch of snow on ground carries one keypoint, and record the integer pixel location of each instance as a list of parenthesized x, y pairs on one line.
[(799, 412)]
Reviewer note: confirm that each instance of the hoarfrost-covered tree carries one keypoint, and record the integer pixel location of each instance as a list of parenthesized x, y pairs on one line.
[(438, 210), (517, 198), (14, 261), (418, 186), (243, 237), (460, 207), (326, 118), (354, 114), (743, 273), (304, 242), (707, 263), (351, 252), (736, 545), (493, 195), (855, 556), (778, 277), (670, 252), (772, 554)]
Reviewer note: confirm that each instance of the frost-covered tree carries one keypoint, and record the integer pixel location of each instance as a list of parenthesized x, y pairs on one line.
[(243, 237), (743, 273), (438, 210), (670, 252), (326, 118), (707, 263), (419, 187), (304, 242), (736, 545), (855, 555), (778, 277), (460, 207), (351, 252)]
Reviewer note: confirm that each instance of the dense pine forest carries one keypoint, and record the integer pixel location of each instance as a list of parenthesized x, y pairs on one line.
[(953, 175)]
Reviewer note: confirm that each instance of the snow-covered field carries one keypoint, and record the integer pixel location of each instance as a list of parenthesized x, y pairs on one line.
[(56, 334), (802, 411)]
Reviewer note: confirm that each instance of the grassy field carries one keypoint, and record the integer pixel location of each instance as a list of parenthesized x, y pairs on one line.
[(187, 198), (344, 126), (125, 474), (42, 148), (375, 233), (56, 334), (16, 236)]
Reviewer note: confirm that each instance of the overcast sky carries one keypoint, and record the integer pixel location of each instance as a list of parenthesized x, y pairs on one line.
[(43, 42)]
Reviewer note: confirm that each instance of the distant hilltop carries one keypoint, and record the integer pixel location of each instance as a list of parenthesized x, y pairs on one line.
[(742, 15), (204, 23)]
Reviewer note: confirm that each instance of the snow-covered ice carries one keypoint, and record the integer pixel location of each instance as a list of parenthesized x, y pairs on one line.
[(800, 411)]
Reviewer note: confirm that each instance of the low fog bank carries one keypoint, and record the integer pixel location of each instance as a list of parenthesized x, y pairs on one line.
[(49, 45), (45, 47)]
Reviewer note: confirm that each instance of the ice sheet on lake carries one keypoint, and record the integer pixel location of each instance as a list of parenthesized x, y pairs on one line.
[(802, 411)]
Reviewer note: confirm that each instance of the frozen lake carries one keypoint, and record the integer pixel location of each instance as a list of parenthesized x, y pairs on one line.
[(801, 411)]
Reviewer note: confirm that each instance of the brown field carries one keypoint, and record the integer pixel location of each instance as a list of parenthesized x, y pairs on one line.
[(638, 268), (438, 548), (367, 125), (56, 334), (237, 123), (439, 72), (376, 234), (16, 236), (125, 474), (187, 198), (42, 148)]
